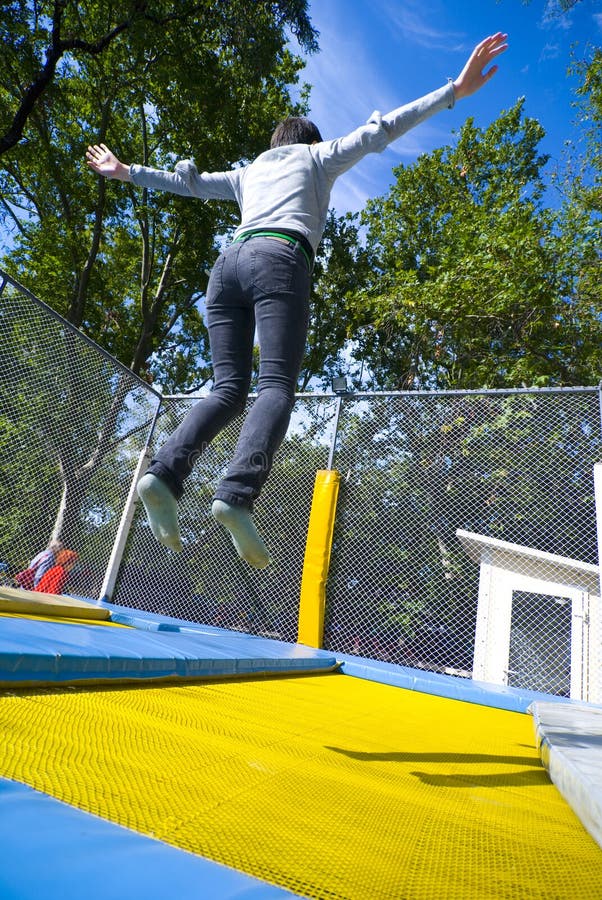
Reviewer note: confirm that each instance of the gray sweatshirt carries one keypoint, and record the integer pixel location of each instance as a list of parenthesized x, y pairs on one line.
[(289, 187)]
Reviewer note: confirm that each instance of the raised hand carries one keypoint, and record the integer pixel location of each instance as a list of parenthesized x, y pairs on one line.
[(102, 161), (472, 77)]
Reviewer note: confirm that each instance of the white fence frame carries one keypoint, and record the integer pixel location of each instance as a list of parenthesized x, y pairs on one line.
[(506, 567)]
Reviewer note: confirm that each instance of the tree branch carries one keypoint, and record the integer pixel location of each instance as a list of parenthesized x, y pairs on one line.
[(41, 82), (10, 212), (77, 309)]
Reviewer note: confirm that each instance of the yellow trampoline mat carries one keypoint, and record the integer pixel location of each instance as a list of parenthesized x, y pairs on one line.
[(330, 786)]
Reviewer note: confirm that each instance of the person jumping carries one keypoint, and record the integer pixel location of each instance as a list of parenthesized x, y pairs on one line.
[(262, 281)]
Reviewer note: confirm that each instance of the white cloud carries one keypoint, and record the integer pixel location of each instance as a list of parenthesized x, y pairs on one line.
[(555, 17), (413, 21), (346, 87), (550, 51)]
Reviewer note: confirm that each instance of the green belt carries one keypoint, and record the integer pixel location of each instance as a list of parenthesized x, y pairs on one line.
[(282, 237)]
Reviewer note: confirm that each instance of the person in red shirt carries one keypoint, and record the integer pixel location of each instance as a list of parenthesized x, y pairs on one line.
[(53, 581)]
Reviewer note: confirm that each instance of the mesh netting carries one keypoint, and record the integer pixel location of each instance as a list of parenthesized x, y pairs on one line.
[(540, 643), (208, 582), (73, 423), (516, 467), (465, 535)]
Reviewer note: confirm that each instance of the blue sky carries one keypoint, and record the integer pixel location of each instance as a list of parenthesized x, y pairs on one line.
[(380, 54)]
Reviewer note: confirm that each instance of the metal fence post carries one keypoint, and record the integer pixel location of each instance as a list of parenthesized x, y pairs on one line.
[(127, 516), (108, 585), (337, 414), (598, 502)]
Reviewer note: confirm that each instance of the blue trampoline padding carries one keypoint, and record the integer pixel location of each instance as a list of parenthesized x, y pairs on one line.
[(150, 621), (52, 850), (453, 687), (158, 646), (34, 651), (498, 696)]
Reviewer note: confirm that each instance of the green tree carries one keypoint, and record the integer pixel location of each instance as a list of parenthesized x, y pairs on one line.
[(40, 38), (579, 226), (340, 272), (158, 81), (467, 286)]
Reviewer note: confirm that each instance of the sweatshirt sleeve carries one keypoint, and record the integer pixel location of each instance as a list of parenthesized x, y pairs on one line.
[(187, 181), (341, 154)]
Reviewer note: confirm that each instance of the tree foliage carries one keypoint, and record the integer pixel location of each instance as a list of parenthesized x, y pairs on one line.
[(468, 279), (157, 81), (340, 273), (580, 241), (45, 37)]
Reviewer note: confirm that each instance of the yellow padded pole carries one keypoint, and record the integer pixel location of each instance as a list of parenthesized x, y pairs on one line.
[(317, 558)]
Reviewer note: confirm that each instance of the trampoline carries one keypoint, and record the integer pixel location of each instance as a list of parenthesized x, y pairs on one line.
[(164, 758)]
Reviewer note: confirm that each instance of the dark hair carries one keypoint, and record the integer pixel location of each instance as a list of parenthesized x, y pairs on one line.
[(295, 130)]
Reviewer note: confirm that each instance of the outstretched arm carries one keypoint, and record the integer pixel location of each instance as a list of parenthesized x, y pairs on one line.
[(184, 181), (340, 155), (103, 162), (472, 77)]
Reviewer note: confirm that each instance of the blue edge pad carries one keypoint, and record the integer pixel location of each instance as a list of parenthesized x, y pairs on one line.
[(53, 850)]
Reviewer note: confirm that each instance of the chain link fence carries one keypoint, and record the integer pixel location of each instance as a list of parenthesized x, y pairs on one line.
[(465, 536), (466, 526), (208, 582), (73, 423)]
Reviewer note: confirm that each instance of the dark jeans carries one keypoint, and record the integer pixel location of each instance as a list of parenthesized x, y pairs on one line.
[(263, 283)]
